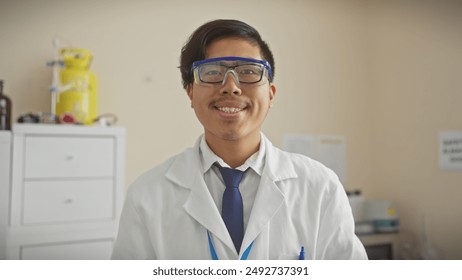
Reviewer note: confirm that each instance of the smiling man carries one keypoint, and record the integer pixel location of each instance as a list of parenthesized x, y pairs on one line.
[(231, 96), (234, 195)]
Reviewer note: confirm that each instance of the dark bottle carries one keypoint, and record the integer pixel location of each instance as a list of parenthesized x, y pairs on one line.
[(5, 110)]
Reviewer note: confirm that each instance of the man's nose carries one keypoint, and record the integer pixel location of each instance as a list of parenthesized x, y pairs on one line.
[(230, 83)]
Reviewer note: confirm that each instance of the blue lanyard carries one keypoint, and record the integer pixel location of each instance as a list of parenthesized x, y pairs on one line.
[(213, 253)]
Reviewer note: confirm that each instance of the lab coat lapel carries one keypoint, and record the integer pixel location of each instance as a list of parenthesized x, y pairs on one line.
[(269, 197), (267, 202), (185, 171)]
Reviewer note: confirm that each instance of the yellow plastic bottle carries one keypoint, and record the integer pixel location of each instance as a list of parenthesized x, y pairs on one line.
[(80, 95)]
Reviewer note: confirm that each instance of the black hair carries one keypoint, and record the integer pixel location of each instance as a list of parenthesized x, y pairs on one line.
[(211, 31)]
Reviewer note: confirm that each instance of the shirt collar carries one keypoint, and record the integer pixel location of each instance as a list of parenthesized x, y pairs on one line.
[(209, 158)]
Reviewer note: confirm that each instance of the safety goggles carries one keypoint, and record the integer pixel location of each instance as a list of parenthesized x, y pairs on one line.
[(245, 70)]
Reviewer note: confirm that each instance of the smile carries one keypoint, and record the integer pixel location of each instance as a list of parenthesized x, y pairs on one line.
[(229, 109)]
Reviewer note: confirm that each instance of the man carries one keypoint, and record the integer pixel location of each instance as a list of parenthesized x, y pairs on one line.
[(233, 195)]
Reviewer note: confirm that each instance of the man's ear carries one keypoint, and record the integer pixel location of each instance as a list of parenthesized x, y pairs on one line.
[(272, 93), (189, 91)]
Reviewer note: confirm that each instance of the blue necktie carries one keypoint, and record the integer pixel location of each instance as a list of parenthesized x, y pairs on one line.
[(232, 209)]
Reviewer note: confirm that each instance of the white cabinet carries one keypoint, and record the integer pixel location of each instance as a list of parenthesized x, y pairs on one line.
[(67, 191), (5, 162), (380, 246)]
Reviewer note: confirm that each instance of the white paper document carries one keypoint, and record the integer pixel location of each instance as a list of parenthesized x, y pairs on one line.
[(450, 150), (327, 149)]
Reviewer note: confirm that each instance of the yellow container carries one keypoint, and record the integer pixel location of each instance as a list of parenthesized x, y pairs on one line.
[(80, 97)]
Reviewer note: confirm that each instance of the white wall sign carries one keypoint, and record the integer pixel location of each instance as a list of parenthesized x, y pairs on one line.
[(331, 151), (328, 149), (450, 150), (300, 144)]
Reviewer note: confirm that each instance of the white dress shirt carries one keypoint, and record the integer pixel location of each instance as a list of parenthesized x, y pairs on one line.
[(249, 183)]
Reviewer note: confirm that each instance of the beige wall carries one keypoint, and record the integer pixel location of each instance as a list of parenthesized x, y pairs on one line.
[(416, 91), (387, 76)]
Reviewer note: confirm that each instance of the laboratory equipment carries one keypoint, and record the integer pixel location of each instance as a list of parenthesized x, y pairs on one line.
[(382, 214), (5, 110), (74, 87)]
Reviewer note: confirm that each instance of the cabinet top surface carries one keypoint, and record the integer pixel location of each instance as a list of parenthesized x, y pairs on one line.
[(66, 129), (5, 135)]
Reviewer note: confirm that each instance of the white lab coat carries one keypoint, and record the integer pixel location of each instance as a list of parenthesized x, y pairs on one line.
[(299, 202)]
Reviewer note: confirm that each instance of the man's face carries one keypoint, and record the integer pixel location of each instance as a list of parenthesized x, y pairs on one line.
[(232, 111)]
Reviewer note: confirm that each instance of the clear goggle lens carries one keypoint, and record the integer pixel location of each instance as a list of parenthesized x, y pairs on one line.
[(244, 70)]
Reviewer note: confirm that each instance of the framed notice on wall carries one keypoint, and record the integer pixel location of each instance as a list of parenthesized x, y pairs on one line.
[(450, 150)]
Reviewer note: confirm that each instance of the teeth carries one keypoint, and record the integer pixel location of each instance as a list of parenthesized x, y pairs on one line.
[(229, 109)]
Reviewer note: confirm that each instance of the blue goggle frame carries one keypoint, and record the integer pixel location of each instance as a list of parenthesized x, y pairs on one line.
[(235, 58)]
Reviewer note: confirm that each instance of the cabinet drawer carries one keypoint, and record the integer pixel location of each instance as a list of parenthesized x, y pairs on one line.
[(67, 201), (62, 157), (93, 250)]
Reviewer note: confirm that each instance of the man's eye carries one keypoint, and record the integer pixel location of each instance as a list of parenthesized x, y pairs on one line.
[(250, 71), (212, 73)]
